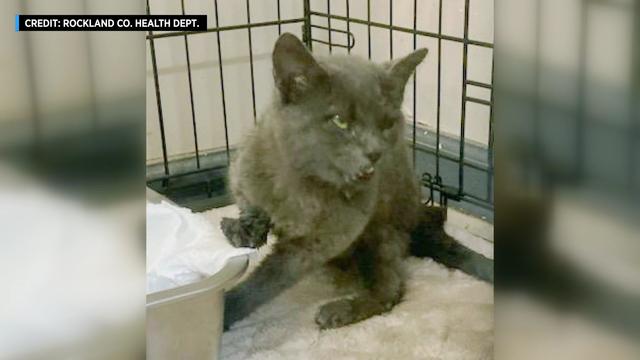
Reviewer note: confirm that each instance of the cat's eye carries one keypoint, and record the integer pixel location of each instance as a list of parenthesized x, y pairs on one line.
[(337, 121)]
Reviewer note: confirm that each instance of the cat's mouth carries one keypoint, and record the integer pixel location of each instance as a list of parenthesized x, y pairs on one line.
[(363, 175)]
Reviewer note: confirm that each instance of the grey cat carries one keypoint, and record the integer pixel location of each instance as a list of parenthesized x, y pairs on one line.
[(327, 171)]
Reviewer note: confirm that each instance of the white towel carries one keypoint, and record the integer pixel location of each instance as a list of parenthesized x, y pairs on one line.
[(184, 247)]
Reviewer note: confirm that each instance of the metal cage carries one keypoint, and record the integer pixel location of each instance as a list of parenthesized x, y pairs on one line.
[(464, 164)]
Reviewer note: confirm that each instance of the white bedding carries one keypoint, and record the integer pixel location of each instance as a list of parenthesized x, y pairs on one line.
[(445, 314), (184, 247)]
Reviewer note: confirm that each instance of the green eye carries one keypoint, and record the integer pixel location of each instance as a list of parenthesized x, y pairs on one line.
[(337, 121)]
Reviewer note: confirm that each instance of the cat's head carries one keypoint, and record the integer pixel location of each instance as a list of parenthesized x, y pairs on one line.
[(339, 116)]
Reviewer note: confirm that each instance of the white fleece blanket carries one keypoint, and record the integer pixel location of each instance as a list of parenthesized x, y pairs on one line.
[(445, 315)]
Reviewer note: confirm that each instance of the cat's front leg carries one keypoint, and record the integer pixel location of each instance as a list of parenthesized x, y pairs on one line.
[(249, 230), (289, 261), (279, 270), (380, 261)]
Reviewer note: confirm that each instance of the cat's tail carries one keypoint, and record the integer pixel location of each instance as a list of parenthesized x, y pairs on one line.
[(430, 240)]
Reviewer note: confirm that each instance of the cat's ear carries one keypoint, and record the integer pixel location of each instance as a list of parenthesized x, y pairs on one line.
[(295, 71), (401, 69)]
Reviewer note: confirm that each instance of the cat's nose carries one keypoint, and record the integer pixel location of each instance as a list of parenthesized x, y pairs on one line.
[(374, 156)]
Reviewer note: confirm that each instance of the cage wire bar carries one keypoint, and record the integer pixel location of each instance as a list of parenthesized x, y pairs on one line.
[(158, 100), (193, 109), (634, 134), (433, 182), (253, 83)]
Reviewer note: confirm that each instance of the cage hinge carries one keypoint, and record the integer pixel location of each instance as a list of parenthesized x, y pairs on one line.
[(434, 183)]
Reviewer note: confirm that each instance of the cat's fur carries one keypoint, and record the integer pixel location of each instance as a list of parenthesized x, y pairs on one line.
[(330, 195)]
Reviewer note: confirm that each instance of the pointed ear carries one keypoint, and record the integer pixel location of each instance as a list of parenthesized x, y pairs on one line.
[(295, 71), (400, 70)]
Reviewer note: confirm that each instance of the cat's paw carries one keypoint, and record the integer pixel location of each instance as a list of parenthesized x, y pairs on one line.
[(336, 314), (242, 234), (231, 229), (237, 235)]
